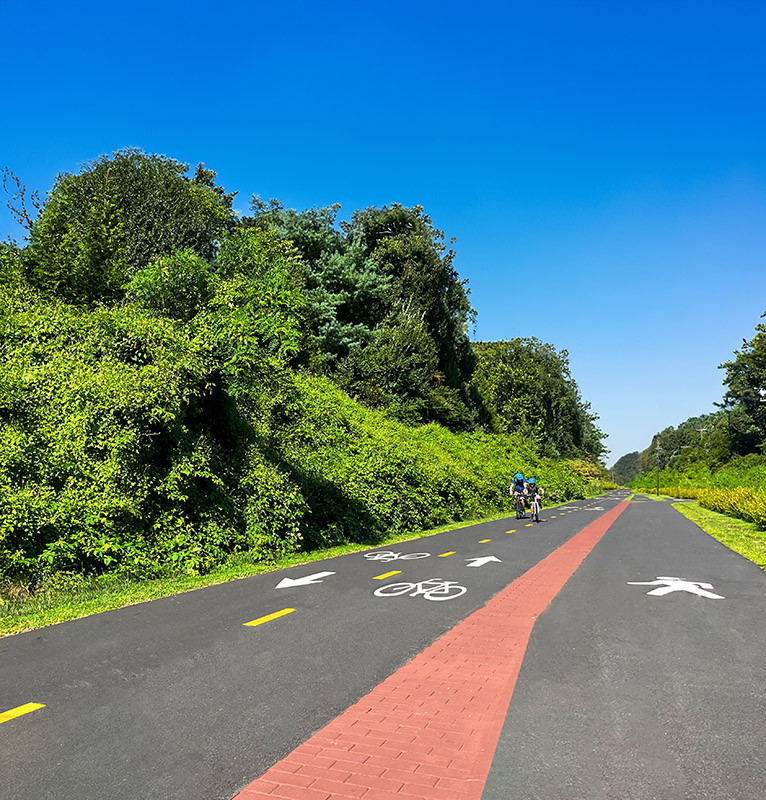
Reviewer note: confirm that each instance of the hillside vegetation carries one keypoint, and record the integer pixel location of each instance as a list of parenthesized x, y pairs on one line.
[(183, 387), (716, 458)]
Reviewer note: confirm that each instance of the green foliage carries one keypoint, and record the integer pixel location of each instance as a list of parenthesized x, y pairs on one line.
[(347, 294), (712, 449), (11, 269), (746, 394), (175, 286), (120, 450), (98, 228), (384, 278), (742, 537), (253, 325), (176, 390), (743, 503), (425, 289), (626, 468), (363, 473), (528, 389)]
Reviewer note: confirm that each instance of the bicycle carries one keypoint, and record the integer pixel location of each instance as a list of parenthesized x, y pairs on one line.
[(388, 555), (521, 509), (432, 589), (535, 511)]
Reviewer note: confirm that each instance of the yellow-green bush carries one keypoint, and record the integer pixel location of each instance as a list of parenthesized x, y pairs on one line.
[(681, 492), (745, 503)]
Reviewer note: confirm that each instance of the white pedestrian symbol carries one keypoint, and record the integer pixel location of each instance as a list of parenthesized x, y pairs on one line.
[(666, 585)]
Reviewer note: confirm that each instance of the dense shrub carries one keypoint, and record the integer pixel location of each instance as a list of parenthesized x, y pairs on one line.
[(745, 503), (120, 449), (154, 415)]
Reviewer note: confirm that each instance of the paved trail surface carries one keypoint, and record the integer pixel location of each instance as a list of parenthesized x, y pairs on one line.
[(542, 675)]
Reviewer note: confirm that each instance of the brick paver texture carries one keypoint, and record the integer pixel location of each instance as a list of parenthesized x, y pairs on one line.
[(429, 731)]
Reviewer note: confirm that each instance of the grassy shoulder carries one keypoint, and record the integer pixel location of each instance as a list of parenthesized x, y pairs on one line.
[(104, 593), (742, 537)]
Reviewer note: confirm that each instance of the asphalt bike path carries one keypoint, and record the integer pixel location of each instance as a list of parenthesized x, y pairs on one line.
[(180, 698), (625, 694)]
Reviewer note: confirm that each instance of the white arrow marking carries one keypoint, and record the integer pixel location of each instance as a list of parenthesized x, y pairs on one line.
[(667, 585), (286, 583), (480, 562)]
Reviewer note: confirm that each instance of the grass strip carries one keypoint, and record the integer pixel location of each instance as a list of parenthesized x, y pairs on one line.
[(742, 537), (23, 612)]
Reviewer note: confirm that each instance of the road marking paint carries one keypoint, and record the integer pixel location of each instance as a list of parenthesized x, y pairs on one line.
[(481, 561), (666, 585), (530, 524), (430, 693), (483, 541), (450, 553), (306, 580), (387, 575), (513, 531), (20, 711), (270, 617), (553, 517)]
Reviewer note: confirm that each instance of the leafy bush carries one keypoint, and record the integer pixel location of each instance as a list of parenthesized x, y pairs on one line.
[(115, 217), (153, 418), (121, 450), (744, 503), (175, 286)]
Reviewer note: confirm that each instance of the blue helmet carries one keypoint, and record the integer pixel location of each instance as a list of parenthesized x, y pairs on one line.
[(532, 480), (519, 476)]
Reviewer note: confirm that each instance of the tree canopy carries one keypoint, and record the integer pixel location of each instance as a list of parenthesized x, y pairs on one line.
[(182, 387), (528, 388), (120, 213)]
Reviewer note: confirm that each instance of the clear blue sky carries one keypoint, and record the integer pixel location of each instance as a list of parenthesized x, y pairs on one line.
[(601, 164)]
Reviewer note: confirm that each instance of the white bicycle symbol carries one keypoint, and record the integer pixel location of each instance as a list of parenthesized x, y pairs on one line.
[(432, 589), (388, 555)]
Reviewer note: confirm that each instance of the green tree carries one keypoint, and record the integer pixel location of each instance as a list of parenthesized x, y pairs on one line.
[(175, 286), (11, 268), (100, 227), (425, 287), (625, 468), (745, 398), (347, 295), (528, 388), (382, 287)]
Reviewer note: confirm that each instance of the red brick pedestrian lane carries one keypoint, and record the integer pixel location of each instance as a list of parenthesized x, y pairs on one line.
[(429, 731)]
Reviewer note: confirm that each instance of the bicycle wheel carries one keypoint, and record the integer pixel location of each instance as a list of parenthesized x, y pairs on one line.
[(394, 589), (380, 555), (413, 556), (445, 592)]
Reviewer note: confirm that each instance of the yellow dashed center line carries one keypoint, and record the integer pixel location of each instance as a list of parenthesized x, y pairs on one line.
[(270, 617), (387, 575), (484, 541), (444, 555), (20, 711), (530, 524), (513, 531)]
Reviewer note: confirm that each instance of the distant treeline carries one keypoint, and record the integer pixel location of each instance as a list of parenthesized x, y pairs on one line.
[(182, 385), (723, 449)]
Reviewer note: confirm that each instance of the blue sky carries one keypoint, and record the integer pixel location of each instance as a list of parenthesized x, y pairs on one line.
[(601, 164)]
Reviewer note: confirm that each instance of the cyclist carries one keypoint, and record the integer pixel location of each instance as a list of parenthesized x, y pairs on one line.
[(518, 490), (535, 493)]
